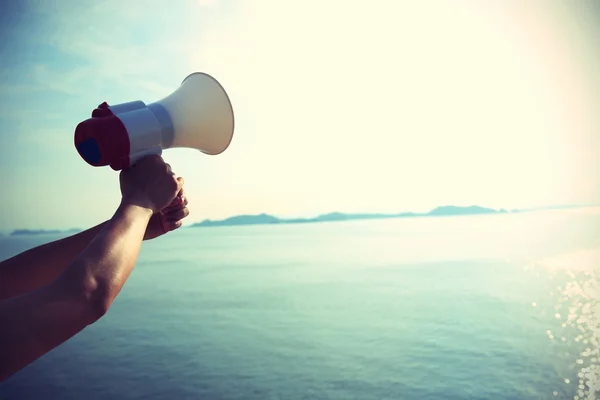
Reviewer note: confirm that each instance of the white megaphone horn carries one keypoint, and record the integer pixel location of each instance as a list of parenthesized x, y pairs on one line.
[(197, 115)]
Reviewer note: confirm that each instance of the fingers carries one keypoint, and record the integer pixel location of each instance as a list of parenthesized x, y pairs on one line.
[(155, 157), (177, 210), (172, 215), (176, 215), (169, 169), (178, 184), (179, 190), (150, 159), (178, 202), (171, 226)]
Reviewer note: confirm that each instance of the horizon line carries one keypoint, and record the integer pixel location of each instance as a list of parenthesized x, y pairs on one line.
[(545, 207), (190, 224)]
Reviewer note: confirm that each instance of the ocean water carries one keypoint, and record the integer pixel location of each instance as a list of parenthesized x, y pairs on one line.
[(481, 307)]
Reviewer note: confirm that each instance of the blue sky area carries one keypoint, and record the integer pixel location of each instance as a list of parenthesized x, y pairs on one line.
[(380, 106)]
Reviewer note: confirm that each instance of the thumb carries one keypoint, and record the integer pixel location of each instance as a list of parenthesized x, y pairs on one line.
[(163, 223), (179, 184)]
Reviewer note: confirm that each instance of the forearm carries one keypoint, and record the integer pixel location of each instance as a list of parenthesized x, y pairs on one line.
[(41, 265), (107, 262)]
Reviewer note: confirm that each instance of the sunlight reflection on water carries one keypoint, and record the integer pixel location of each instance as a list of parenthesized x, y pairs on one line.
[(576, 304)]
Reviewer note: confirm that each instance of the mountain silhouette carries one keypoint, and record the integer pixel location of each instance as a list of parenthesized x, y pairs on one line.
[(264, 219), (260, 219)]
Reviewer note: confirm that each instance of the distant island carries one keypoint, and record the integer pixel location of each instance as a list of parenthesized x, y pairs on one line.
[(266, 219), (29, 232)]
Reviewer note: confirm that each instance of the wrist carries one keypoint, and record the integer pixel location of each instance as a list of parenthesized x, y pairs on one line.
[(135, 209), (137, 201)]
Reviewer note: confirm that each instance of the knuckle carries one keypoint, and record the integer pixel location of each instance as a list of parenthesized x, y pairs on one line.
[(173, 184), (151, 159)]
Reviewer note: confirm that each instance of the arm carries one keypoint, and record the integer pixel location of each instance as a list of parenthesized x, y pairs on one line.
[(34, 323), (40, 266)]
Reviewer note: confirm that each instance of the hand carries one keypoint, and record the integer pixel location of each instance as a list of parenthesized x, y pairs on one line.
[(150, 184), (169, 218)]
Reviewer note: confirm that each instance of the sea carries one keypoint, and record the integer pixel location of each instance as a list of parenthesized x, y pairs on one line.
[(502, 306)]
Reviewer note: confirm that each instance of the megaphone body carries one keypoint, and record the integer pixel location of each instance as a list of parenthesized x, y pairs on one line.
[(197, 115)]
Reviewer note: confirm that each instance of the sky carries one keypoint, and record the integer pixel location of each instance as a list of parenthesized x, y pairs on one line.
[(382, 106)]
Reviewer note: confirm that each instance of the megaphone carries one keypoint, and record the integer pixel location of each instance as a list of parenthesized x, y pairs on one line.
[(197, 115)]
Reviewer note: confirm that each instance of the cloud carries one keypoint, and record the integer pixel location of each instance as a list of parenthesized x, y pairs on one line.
[(116, 45)]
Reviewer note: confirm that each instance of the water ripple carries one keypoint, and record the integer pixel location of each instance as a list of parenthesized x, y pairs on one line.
[(579, 323)]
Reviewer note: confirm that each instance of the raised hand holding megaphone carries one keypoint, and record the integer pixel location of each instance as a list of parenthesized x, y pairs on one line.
[(197, 115)]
